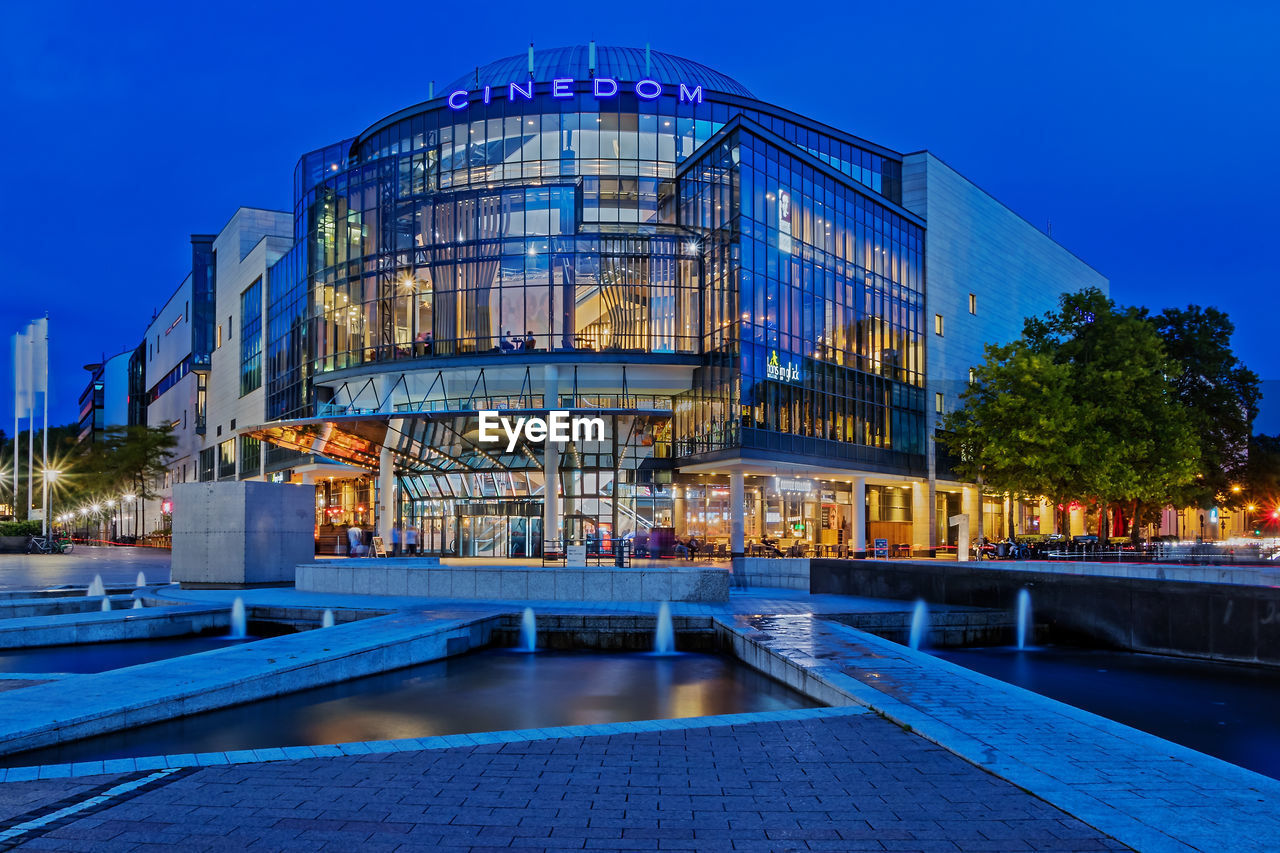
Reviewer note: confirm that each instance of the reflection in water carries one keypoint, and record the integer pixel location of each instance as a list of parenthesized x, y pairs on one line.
[(487, 691), (1225, 710), (100, 657)]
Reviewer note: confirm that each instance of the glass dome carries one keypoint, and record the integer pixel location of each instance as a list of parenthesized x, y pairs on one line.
[(620, 63)]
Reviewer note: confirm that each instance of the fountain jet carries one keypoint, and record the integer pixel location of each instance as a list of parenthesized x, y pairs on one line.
[(1024, 616), (142, 580), (919, 624), (106, 604), (239, 625), (96, 588), (326, 621), (528, 631), (137, 604), (664, 636)]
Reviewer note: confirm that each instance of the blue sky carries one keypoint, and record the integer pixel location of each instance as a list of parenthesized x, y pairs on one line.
[(1144, 132)]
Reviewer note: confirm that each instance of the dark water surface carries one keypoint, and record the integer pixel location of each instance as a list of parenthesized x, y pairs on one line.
[(486, 691), (1225, 710), (100, 657)]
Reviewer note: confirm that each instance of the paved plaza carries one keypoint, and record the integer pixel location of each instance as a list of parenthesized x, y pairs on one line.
[(850, 783), (117, 566)]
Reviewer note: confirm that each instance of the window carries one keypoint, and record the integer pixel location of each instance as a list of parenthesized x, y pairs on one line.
[(250, 457), (227, 459), (937, 324), (218, 345), (973, 303), (251, 338), (206, 465), (973, 377), (937, 402)]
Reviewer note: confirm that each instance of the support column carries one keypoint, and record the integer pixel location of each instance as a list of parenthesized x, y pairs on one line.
[(971, 505), (551, 462), (922, 519), (737, 510), (678, 510), (858, 506), (1048, 517), (386, 496)]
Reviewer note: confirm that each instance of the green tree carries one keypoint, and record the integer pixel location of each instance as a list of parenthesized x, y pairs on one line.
[(1080, 407), (1220, 396)]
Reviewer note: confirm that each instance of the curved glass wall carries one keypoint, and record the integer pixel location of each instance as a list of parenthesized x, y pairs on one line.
[(538, 224)]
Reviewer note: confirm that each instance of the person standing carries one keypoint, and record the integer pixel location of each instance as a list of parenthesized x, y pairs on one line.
[(411, 540), (355, 541), (395, 540)]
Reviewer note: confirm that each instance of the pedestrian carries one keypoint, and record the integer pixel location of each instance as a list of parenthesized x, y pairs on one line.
[(395, 540), (355, 541), (411, 540)]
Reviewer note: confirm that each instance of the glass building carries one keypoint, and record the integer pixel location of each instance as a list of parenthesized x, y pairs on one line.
[(738, 291)]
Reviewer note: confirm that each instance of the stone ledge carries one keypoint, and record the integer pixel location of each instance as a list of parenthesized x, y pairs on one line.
[(515, 582)]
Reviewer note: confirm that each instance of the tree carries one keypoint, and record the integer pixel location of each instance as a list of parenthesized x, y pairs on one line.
[(1220, 396), (1080, 407)]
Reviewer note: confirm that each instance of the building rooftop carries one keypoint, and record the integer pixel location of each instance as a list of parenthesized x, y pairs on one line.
[(620, 63)]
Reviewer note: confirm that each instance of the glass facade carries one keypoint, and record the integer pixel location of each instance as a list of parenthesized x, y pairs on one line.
[(764, 253), (251, 338), (814, 294)]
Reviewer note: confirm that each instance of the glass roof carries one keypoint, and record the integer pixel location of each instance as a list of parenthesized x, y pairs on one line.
[(620, 63)]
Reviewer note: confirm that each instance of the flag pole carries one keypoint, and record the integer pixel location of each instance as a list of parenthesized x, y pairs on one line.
[(44, 453), (31, 417)]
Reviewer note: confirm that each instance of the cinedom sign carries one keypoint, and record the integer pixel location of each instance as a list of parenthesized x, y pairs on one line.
[(565, 88)]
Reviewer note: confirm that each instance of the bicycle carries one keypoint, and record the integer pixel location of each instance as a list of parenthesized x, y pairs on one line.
[(48, 545)]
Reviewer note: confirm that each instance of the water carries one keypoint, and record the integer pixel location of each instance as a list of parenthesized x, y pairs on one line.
[(106, 604), (100, 657), (142, 579), (326, 621), (239, 624), (96, 587), (1024, 616), (528, 631), (137, 604), (1225, 710), (919, 624), (492, 690), (664, 636)]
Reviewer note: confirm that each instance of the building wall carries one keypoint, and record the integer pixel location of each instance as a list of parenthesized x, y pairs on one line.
[(246, 247), (976, 245), (115, 399)]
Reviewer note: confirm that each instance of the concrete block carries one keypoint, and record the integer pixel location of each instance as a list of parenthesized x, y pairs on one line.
[(418, 582), (514, 584), (568, 585), (241, 532), (541, 585)]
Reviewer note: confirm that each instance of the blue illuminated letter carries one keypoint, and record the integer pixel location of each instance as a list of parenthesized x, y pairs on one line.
[(693, 96), (605, 87), (515, 87), (457, 99), (560, 87), (648, 90), (487, 94)]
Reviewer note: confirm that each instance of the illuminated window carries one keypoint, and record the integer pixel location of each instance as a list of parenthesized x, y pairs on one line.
[(937, 402), (937, 324), (973, 303)]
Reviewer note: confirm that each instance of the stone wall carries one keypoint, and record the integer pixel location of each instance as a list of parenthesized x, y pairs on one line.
[(241, 533), (514, 582), (1218, 621)]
